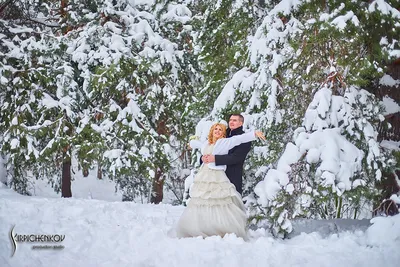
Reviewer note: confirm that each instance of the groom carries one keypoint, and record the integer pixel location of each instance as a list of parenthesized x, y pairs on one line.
[(236, 156)]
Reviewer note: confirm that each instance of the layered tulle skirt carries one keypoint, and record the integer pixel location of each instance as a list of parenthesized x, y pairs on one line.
[(215, 207)]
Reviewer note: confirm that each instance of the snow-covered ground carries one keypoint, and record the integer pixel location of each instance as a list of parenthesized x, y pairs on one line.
[(82, 187), (105, 233)]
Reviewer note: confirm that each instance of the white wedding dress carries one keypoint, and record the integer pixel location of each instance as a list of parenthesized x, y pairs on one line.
[(215, 207)]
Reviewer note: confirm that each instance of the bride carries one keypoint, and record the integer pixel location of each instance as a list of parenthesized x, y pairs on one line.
[(215, 207)]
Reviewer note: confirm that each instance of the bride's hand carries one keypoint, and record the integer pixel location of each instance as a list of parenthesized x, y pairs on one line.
[(260, 135)]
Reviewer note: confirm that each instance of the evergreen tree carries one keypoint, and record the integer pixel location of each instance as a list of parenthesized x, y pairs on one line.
[(32, 120), (222, 28), (139, 76), (299, 49), (111, 88), (335, 57)]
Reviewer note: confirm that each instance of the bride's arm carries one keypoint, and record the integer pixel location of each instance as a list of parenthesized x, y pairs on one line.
[(229, 143), (196, 144), (240, 139)]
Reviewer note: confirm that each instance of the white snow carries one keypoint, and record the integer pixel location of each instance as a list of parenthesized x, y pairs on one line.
[(341, 21), (99, 233), (384, 7), (392, 145), (82, 188), (390, 105), (242, 80), (388, 81), (270, 186)]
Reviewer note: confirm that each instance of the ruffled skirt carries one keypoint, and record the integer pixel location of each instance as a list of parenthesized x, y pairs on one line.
[(215, 207)]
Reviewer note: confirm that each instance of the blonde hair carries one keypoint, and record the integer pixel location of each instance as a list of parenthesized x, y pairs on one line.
[(211, 136)]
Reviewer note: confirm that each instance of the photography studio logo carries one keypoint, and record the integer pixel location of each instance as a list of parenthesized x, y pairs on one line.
[(51, 241)]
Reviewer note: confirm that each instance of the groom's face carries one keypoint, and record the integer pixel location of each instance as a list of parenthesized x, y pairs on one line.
[(234, 122)]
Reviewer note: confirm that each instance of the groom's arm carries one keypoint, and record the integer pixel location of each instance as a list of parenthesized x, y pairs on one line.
[(237, 156)]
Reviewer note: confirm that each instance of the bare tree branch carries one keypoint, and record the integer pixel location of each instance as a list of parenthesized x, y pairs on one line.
[(43, 23)]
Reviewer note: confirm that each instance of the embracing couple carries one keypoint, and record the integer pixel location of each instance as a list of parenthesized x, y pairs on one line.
[(216, 206)]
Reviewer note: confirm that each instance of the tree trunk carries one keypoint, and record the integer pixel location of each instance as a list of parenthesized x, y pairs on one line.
[(392, 133), (158, 181), (85, 172), (157, 193), (99, 172), (66, 178)]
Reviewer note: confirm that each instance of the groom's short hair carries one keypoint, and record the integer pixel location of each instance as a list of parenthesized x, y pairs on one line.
[(241, 118)]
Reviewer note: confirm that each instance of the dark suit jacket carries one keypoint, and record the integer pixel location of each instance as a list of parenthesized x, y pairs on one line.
[(234, 160)]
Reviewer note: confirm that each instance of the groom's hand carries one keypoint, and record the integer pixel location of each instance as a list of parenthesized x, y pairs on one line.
[(211, 158), (208, 158)]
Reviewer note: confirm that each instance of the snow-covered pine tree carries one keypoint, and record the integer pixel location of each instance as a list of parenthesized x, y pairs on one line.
[(139, 74), (110, 89), (176, 25), (36, 111), (335, 159), (222, 28), (257, 90)]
